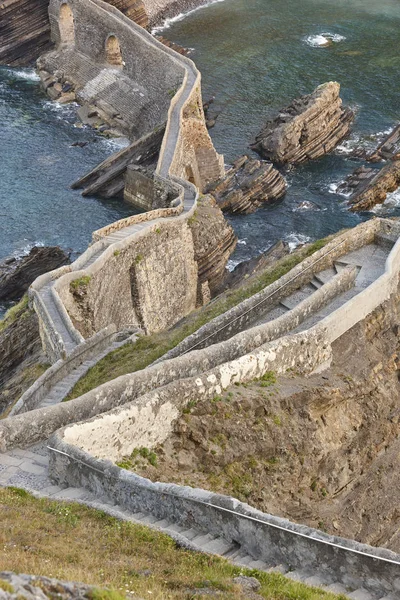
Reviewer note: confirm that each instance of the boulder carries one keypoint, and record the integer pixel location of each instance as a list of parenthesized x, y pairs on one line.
[(369, 186), (309, 128), (247, 185), (17, 274)]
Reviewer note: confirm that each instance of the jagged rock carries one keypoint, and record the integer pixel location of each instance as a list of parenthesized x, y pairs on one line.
[(369, 186), (252, 266), (24, 31), (309, 128), (214, 241), (20, 353), (17, 274), (388, 149), (247, 185)]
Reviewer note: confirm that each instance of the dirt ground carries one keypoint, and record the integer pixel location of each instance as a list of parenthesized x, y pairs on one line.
[(322, 450)]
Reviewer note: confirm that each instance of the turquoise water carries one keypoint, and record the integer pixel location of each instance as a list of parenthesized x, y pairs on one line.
[(37, 165), (257, 55)]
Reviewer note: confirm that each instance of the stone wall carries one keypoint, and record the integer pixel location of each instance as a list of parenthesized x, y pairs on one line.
[(244, 314), (263, 536), (150, 282)]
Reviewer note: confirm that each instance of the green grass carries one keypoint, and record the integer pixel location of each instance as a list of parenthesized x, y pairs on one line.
[(147, 349), (15, 312), (72, 542), (80, 282), (6, 587)]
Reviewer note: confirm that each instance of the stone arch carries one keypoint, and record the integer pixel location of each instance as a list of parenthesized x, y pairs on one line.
[(66, 25), (113, 51)]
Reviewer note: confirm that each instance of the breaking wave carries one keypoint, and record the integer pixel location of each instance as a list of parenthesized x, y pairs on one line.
[(321, 40)]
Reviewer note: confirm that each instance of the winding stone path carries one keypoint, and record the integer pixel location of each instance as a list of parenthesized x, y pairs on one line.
[(28, 469)]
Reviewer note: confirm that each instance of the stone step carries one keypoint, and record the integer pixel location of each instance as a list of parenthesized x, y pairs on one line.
[(298, 296), (316, 283), (219, 546), (384, 241), (325, 275)]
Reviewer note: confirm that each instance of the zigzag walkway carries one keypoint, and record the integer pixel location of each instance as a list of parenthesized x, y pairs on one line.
[(28, 469)]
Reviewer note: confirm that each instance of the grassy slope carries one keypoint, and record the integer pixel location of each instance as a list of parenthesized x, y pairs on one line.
[(76, 543), (134, 357)]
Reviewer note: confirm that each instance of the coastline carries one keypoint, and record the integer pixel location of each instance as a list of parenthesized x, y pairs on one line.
[(160, 12)]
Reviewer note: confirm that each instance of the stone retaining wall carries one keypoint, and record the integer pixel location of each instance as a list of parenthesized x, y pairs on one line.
[(249, 311), (265, 537)]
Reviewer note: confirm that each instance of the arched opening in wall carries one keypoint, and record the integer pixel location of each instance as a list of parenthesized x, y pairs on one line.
[(66, 24), (190, 175), (113, 52)]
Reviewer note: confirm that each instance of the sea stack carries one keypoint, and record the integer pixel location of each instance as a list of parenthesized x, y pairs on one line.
[(309, 128)]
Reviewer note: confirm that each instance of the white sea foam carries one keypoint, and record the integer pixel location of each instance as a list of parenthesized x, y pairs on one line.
[(28, 74), (296, 239), (168, 22), (320, 40), (242, 242)]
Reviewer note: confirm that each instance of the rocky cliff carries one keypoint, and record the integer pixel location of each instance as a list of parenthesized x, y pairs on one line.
[(21, 353), (309, 128), (214, 241), (369, 186), (24, 31)]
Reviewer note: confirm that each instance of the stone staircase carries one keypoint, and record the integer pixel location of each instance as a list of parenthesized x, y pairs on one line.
[(28, 469), (370, 261)]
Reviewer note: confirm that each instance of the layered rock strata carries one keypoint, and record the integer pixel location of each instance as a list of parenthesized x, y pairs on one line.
[(247, 185), (24, 31), (214, 241), (369, 187), (307, 129), (20, 354), (17, 274), (388, 149)]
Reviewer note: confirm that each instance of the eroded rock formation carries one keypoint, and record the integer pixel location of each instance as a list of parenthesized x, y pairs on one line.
[(247, 185), (17, 274), (369, 186), (24, 31), (388, 149), (254, 265), (134, 9), (214, 241), (309, 128), (20, 354)]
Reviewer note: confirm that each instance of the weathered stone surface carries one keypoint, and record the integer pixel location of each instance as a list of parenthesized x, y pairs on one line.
[(146, 190), (252, 266), (309, 128), (20, 351), (107, 179), (389, 148), (16, 274), (369, 186), (24, 31), (214, 241), (247, 185)]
